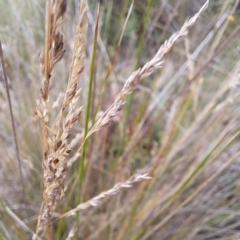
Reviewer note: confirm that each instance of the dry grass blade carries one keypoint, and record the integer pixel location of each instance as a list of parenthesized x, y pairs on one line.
[(18, 221), (72, 232), (110, 67), (11, 115), (189, 198)]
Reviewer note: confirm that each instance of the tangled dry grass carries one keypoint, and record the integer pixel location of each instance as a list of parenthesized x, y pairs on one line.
[(56, 148), (180, 143)]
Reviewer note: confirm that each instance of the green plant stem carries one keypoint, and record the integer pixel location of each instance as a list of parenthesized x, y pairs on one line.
[(89, 102), (139, 54)]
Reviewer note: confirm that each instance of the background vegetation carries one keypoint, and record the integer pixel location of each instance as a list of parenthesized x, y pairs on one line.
[(180, 125)]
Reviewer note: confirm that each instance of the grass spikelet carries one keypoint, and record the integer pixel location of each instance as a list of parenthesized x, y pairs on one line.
[(96, 201)]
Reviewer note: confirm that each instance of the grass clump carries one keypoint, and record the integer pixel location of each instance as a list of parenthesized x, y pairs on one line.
[(87, 141)]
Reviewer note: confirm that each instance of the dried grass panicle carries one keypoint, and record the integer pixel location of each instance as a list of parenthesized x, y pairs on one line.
[(146, 70), (56, 148), (78, 58), (53, 52), (94, 202), (53, 166), (72, 94)]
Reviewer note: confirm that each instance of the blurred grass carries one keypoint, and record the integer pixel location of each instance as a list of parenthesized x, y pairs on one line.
[(182, 142)]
